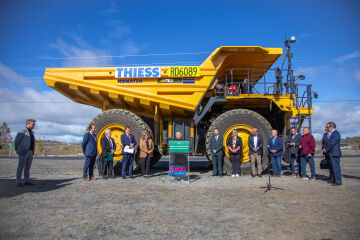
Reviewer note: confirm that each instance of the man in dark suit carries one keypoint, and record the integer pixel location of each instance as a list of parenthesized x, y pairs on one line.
[(216, 147), (25, 148), (293, 142), (332, 147), (90, 151), (255, 144), (108, 148), (326, 155), (128, 141), (275, 148)]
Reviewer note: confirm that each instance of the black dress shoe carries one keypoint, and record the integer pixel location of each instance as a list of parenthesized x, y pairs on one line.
[(123, 177), (131, 176), (29, 183), (19, 185), (336, 184)]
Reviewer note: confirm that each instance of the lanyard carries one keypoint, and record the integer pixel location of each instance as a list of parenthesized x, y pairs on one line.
[(110, 143)]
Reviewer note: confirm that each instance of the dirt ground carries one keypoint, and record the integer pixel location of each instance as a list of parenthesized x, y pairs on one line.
[(63, 206)]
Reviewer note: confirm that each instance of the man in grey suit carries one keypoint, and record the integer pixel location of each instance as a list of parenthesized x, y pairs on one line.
[(293, 142), (25, 148), (216, 146), (255, 144), (332, 147)]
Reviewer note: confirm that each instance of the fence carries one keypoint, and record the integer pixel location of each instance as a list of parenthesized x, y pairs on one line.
[(46, 148)]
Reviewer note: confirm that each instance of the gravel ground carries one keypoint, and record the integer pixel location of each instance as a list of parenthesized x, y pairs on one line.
[(63, 206)]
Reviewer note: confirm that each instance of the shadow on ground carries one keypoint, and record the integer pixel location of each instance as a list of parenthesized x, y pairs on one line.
[(8, 188), (352, 177)]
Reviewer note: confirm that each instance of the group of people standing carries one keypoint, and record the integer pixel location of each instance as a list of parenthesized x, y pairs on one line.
[(128, 141), (299, 149)]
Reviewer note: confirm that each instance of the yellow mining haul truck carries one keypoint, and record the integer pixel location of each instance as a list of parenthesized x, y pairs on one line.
[(231, 89)]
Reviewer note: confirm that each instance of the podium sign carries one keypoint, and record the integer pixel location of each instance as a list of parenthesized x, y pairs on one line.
[(179, 166), (179, 146)]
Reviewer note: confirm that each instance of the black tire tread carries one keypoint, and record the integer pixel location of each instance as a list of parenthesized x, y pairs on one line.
[(225, 115), (137, 121)]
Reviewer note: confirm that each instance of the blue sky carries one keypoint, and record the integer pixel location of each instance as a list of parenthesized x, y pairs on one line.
[(39, 34)]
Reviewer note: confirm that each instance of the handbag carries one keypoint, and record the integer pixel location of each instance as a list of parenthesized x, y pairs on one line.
[(110, 157), (324, 164), (287, 155)]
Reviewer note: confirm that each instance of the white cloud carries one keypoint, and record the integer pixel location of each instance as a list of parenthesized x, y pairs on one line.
[(349, 56), (129, 47), (304, 35), (307, 71), (81, 54), (357, 76), (55, 121), (119, 29), (9, 76), (346, 116), (113, 8)]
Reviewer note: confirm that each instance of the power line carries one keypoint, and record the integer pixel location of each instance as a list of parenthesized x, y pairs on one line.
[(114, 65), (12, 101), (107, 56), (342, 100)]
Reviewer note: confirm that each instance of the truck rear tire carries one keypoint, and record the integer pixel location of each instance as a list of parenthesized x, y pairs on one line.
[(244, 121), (116, 120)]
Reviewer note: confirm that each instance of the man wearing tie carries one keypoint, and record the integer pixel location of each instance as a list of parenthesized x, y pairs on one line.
[(128, 141), (90, 151), (108, 148), (332, 148), (293, 142), (255, 144), (326, 155), (216, 146)]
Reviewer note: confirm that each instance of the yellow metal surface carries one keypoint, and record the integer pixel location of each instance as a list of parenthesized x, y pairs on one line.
[(192, 130), (170, 129), (172, 92), (283, 102), (244, 131), (116, 131), (244, 57)]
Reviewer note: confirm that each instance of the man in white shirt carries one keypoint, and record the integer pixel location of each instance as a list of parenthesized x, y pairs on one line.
[(255, 144)]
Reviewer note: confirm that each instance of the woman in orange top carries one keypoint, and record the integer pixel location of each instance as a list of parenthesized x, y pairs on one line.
[(146, 152)]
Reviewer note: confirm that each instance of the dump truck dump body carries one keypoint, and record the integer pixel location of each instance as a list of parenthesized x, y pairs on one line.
[(177, 93)]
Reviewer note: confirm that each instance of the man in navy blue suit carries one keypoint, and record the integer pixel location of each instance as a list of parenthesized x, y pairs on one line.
[(128, 141), (275, 148), (332, 148), (90, 151), (324, 140)]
